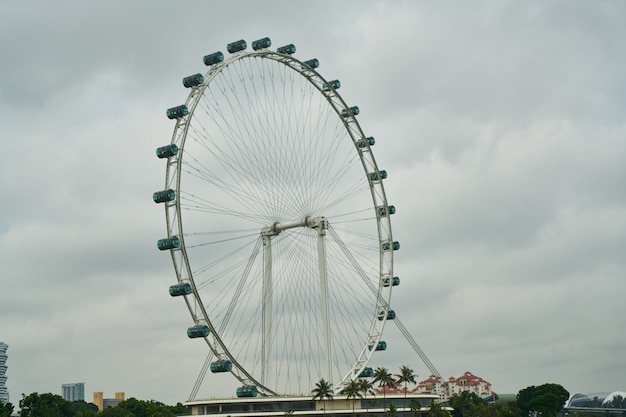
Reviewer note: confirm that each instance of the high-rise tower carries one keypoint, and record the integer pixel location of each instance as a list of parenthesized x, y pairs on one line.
[(4, 393), (73, 392)]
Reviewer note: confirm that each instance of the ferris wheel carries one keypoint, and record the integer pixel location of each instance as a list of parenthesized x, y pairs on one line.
[(277, 223)]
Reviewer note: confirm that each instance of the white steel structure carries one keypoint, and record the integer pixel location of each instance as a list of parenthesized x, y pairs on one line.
[(277, 223)]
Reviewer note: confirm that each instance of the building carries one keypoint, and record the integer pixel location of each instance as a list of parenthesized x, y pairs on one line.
[(4, 392), (468, 382), (73, 392), (454, 386), (102, 403), (410, 404)]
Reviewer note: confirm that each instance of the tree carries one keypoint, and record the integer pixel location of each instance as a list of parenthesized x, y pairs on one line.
[(405, 376), (366, 388), (45, 405), (352, 390), (83, 409), (437, 411), (6, 409), (547, 399), (465, 404), (391, 410), (415, 407), (323, 390), (384, 379)]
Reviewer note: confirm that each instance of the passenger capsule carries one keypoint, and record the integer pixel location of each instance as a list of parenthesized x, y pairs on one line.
[(287, 49), (312, 63), (362, 143), (376, 176), (263, 43), (177, 112), (221, 366), (352, 111), (169, 243), (391, 315), (199, 330), (247, 391), (167, 151), (384, 211), (334, 84), (236, 46), (193, 80), (366, 373), (182, 288), (391, 281), (164, 196), (212, 59), (382, 345), (395, 245)]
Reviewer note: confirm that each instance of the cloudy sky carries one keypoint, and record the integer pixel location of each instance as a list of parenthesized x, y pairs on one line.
[(501, 124)]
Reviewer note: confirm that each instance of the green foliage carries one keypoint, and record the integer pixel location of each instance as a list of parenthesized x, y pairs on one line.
[(391, 410), (50, 405), (6, 409), (83, 409), (45, 405), (323, 389), (547, 399), (466, 404), (384, 378), (437, 411), (353, 390)]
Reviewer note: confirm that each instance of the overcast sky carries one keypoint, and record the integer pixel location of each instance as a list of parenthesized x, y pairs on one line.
[(502, 126)]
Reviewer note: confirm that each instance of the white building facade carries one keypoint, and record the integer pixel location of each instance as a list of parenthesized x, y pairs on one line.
[(4, 392)]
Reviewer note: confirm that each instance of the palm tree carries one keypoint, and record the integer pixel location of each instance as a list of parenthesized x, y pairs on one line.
[(323, 390), (384, 379), (352, 390), (415, 406), (406, 375), (391, 411), (366, 388)]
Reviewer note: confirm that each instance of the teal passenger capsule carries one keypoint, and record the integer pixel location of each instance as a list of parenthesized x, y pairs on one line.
[(366, 373), (384, 211), (287, 49), (391, 281), (182, 288), (177, 112), (167, 151), (376, 176), (221, 366), (247, 391), (263, 43), (312, 63), (395, 245), (164, 196), (382, 345), (391, 315), (199, 330), (169, 243), (335, 84), (362, 143), (212, 59), (236, 46), (193, 80), (352, 111)]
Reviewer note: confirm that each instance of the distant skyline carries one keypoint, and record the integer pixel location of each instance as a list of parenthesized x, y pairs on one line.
[(501, 125)]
